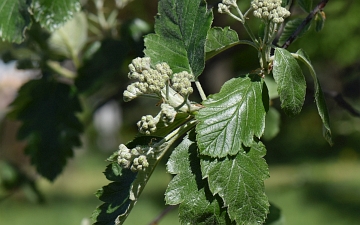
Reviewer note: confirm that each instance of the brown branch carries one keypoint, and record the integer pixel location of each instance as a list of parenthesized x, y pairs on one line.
[(304, 23), (162, 214)]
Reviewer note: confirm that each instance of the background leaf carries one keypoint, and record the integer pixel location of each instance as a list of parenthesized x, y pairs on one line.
[(231, 118), (290, 28), (14, 19), (219, 39), (47, 110), (53, 14), (197, 204), (69, 39), (306, 5), (272, 124), (291, 81), (180, 34), (239, 180)]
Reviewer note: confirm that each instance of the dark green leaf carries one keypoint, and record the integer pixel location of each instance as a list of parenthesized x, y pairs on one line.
[(291, 81), (239, 181), (319, 98), (320, 21), (181, 28), (47, 111), (104, 65), (14, 19), (290, 28), (197, 204), (116, 195), (306, 5), (231, 118), (121, 195), (53, 14), (274, 217), (219, 39), (272, 124), (284, 3)]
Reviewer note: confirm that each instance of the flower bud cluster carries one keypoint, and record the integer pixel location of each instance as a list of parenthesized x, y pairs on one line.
[(270, 10), (132, 158), (167, 114), (147, 124), (181, 82), (150, 81)]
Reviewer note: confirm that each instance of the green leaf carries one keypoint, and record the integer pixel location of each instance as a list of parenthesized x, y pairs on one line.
[(306, 5), (290, 28), (219, 39), (274, 217), (272, 124), (14, 19), (121, 195), (232, 117), (239, 181), (116, 195), (47, 111), (319, 97), (320, 21), (70, 39), (181, 28), (197, 204), (291, 81), (53, 14)]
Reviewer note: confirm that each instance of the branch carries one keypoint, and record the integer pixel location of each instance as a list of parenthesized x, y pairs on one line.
[(304, 23), (162, 214)]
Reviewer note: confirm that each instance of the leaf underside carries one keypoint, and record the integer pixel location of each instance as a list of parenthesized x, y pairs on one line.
[(231, 118), (291, 81), (181, 28)]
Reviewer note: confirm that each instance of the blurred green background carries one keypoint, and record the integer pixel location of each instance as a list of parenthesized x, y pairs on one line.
[(311, 182)]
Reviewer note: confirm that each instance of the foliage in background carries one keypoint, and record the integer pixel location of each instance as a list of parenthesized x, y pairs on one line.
[(86, 57)]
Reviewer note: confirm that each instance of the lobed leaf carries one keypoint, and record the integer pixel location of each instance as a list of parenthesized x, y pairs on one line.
[(121, 195), (181, 28), (231, 117), (197, 204), (14, 19), (239, 181), (53, 14), (291, 81), (47, 111), (219, 39), (319, 98)]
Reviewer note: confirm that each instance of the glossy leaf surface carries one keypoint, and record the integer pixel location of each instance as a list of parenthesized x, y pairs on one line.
[(197, 204), (239, 181), (14, 19), (231, 118), (220, 39)]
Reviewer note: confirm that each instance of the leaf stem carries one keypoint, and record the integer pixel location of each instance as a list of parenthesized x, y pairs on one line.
[(201, 91)]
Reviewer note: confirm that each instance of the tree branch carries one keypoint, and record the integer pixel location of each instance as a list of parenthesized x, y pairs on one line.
[(304, 23), (162, 214)]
